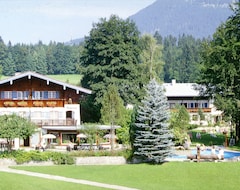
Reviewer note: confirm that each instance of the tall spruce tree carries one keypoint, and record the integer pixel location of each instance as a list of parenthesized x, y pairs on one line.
[(153, 138)]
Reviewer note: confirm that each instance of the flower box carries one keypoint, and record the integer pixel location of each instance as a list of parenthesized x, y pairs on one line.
[(22, 104), (38, 103), (9, 104), (51, 104)]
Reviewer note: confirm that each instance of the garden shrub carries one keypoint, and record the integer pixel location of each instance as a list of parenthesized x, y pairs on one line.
[(86, 153), (21, 156)]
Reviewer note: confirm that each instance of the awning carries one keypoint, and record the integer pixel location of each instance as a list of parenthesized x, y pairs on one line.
[(75, 128), (62, 128)]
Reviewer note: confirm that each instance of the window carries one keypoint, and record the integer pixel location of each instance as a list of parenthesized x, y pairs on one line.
[(52, 94), (69, 137), (53, 114), (45, 95), (205, 105), (6, 95), (16, 95), (37, 95)]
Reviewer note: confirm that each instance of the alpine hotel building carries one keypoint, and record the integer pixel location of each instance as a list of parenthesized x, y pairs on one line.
[(51, 104)]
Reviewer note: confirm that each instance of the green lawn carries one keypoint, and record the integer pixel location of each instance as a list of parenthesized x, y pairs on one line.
[(73, 79), (22, 182), (169, 176)]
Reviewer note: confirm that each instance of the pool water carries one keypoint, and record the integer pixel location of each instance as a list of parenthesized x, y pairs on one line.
[(227, 154)]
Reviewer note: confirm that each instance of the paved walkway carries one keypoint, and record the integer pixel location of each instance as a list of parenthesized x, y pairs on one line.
[(60, 178)]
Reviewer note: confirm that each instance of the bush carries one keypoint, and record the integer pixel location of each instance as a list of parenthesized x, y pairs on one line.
[(21, 157), (86, 153), (61, 158)]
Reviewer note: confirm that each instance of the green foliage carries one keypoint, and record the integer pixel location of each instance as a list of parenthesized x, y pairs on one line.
[(123, 133), (9, 66), (21, 157), (110, 56), (113, 112), (181, 57), (112, 109), (207, 139), (179, 122), (151, 57), (60, 158), (13, 126), (87, 153), (220, 66), (92, 132)]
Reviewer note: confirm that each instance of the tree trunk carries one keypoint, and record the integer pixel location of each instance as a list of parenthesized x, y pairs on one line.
[(237, 130)]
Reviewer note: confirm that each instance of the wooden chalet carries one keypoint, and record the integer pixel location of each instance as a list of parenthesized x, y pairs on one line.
[(51, 104), (187, 95)]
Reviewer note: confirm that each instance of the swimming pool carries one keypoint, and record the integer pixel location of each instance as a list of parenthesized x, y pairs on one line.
[(227, 154)]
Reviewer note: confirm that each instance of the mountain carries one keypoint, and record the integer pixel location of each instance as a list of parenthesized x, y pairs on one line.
[(199, 18)]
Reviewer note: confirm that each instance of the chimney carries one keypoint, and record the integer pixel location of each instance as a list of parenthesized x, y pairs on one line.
[(173, 81)]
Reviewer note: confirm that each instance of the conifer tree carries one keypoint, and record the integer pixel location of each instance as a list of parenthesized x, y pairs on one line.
[(153, 138)]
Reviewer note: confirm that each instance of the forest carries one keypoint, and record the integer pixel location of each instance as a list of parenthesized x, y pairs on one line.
[(180, 57)]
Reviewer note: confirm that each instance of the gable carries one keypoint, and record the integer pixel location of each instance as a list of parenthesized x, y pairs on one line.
[(39, 81)]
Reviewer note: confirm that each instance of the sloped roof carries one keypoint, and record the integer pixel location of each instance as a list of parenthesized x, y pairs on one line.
[(30, 74), (181, 89)]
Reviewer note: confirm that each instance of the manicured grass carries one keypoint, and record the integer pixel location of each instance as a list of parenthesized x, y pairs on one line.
[(69, 78), (22, 182), (168, 176)]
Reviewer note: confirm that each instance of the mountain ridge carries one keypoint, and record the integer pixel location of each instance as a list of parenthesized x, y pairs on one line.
[(199, 18)]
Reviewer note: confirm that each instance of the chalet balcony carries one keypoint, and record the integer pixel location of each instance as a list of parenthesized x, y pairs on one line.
[(33, 103), (55, 122), (196, 110)]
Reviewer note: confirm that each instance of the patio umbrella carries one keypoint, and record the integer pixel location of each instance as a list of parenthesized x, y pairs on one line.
[(3, 141), (49, 136), (81, 135), (109, 136)]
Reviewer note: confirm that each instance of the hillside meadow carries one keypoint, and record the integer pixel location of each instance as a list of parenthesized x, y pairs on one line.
[(73, 79)]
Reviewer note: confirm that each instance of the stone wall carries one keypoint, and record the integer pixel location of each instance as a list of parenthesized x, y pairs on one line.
[(102, 160)]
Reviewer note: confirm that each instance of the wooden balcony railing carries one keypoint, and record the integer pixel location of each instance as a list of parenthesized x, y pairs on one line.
[(196, 110), (55, 122)]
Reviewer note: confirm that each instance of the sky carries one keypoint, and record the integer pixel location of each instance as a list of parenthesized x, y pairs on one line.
[(31, 21)]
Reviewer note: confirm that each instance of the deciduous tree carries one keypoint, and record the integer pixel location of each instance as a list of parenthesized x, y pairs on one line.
[(179, 122), (112, 110), (221, 69), (13, 126), (151, 57)]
